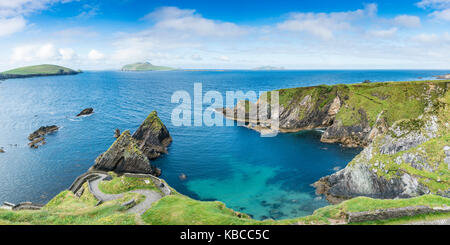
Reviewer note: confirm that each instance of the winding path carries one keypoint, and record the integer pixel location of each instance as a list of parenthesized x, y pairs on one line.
[(150, 196)]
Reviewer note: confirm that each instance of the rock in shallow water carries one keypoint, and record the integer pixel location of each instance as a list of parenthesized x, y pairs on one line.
[(37, 138), (85, 112)]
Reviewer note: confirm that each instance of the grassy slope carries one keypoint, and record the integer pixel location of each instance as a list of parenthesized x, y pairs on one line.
[(399, 100), (178, 209), (145, 67), (39, 69)]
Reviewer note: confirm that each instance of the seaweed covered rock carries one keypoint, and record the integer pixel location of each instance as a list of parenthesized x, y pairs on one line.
[(152, 136), (124, 156)]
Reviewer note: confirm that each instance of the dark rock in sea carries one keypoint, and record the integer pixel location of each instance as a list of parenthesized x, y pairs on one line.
[(85, 112), (124, 156), (132, 154), (42, 131), (117, 133), (1, 150), (366, 81), (37, 138), (153, 137), (182, 177)]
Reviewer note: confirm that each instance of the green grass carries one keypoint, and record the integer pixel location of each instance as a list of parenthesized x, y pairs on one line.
[(39, 70), (124, 184), (398, 100), (145, 67), (177, 209), (66, 209)]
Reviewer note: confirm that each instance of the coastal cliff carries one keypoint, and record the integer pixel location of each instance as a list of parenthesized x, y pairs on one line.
[(403, 127)]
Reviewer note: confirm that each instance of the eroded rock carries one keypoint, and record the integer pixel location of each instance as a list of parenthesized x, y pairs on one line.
[(152, 136), (37, 138), (85, 112)]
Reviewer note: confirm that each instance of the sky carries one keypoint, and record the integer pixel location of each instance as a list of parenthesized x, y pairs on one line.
[(244, 34)]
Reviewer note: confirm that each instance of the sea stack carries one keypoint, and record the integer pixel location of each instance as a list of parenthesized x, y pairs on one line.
[(124, 156), (132, 154), (153, 137)]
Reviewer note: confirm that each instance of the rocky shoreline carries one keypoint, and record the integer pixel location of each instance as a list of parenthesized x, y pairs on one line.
[(401, 125)]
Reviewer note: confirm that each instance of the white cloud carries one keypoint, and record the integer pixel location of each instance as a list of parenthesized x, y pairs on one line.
[(67, 53), (436, 4), (441, 7), (95, 55), (324, 25), (41, 53), (190, 22), (383, 33), (12, 13), (442, 14), (407, 21), (11, 25), (432, 38)]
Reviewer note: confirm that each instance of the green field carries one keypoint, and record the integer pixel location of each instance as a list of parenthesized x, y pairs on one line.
[(39, 70)]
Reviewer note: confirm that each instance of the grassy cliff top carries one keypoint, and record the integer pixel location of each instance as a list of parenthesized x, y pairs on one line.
[(398, 100), (145, 66), (177, 209), (40, 70)]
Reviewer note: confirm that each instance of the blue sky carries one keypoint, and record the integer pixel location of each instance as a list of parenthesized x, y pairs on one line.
[(319, 34)]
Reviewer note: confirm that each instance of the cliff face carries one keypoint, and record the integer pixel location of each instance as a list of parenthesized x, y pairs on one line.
[(402, 125), (124, 156), (353, 115), (410, 159), (153, 137), (132, 154)]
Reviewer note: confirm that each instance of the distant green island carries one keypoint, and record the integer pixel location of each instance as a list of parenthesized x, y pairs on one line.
[(145, 66), (268, 68), (37, 70)]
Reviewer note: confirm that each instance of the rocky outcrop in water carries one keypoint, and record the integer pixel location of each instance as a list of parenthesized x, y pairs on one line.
[(447, 76), (37, 138), (1, 150), (124, 156), (85, 112), (152, 136), (117, 133), (132, 154)]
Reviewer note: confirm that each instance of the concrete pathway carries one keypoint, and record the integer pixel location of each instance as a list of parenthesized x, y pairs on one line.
[(140, 208)]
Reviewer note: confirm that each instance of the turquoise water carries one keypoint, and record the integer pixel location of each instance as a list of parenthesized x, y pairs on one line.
[(264, 177)]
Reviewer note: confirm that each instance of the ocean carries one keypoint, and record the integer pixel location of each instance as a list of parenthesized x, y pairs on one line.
[(265, 177)]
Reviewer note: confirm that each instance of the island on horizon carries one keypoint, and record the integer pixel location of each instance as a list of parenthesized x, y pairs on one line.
[(145, 66), (37, 70)]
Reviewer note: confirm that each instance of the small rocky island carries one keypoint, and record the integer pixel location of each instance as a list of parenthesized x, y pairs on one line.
[(446, 76), (132, 154), (36, 71), (86, 112), (37, 138), (145, 66)]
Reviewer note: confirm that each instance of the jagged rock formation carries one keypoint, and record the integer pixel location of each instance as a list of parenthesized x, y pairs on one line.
[(85, 112), (124, 156), (152, 136), (132, 154), (37, 137), (410, 159), (117, 133)]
